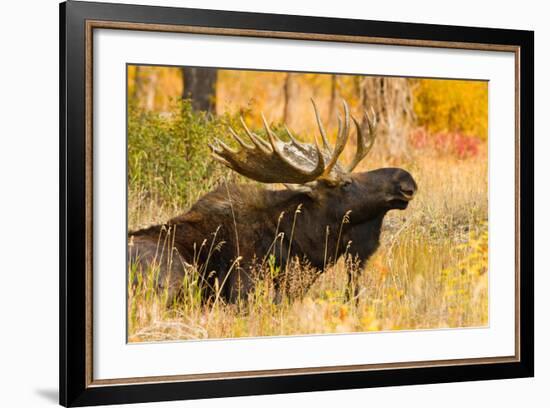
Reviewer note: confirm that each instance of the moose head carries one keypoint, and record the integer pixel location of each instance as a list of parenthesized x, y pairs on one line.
[(316, 172)]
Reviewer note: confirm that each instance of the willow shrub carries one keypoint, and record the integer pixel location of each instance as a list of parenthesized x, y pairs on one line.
[(168, 154)]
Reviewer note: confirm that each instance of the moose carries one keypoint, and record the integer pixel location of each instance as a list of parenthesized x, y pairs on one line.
[(326, 211)]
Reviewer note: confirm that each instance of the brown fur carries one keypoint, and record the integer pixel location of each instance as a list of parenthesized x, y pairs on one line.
[(242, 222)]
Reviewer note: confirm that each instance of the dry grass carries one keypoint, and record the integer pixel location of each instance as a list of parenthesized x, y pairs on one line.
[(429, 272)]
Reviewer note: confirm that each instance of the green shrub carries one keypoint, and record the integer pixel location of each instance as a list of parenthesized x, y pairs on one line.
[(168, 154)]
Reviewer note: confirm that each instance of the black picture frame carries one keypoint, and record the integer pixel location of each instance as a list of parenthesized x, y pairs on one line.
[(76, 389)]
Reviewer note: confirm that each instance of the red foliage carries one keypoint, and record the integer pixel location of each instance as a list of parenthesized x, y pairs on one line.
[(454, 143)]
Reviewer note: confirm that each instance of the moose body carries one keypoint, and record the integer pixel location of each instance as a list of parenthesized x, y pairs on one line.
[(315, 221)]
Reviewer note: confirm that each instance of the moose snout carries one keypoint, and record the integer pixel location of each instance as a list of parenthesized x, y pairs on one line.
[(397, 185), (407, 190), (406, 186)]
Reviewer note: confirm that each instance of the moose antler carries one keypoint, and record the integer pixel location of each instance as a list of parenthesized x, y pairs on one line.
[(275, 161), (364, 142)]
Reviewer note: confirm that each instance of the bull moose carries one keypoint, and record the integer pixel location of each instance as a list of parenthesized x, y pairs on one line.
[(324, 211)]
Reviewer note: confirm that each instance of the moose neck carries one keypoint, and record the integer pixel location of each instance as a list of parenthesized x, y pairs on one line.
[(322, 235)]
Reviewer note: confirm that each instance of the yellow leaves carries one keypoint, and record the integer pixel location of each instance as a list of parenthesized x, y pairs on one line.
[(369, 322), (439, 105), (465, 283), (452, 105), (476, 263)]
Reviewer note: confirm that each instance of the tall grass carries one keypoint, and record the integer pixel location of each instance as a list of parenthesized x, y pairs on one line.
[(429, 272)]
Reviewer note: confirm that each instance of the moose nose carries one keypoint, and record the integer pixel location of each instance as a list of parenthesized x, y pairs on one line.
[(407, 190)]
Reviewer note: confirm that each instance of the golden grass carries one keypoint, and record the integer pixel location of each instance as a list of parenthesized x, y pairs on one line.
[(429, 272)]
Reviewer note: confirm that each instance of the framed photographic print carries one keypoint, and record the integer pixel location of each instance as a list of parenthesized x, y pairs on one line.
[(255, 203)]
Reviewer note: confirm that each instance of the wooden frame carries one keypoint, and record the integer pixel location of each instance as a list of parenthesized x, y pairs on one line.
[(77, 22)]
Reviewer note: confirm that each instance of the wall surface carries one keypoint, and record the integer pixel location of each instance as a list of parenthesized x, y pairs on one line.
[(29, 202)]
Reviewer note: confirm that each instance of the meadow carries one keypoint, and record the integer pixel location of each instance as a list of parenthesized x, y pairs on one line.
[(429, 272)]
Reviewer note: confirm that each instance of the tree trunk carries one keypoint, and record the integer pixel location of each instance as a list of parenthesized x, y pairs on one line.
[(289, 90), (391, 100), (199, 86), (333, 96)]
